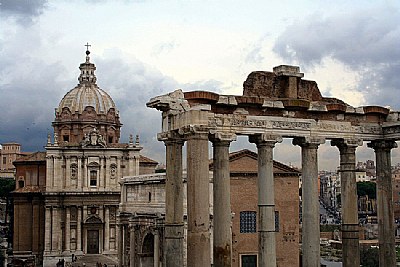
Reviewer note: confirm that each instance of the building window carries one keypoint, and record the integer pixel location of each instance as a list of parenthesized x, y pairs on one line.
[(4, 160), (110, 139), (248, 221), (248, 260), (93, 178), (66, 138), (21, 183)]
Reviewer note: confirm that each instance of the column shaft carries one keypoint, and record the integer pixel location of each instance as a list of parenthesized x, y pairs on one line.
[(350, 231), (67, 172), (156, 249), (78, 230), (198, 204), (222, 245), (174, 204), (310, 203), (80, 173), (266, 199), (47, 234), (67, 229), (107, 228), (120, 245), (386, 229), (56, 230), (132, 245)]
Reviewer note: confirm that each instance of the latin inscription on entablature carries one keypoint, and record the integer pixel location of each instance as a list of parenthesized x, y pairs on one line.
[(334, 127), (392, 130), (369, 129), (258, 123), (271, 123)]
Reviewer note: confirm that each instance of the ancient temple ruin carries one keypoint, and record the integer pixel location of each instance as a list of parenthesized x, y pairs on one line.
[(274, 105)]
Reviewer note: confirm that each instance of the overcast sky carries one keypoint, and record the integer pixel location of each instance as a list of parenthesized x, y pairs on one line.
[(145, 48)]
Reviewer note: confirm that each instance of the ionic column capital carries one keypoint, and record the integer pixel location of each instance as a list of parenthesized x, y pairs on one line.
[(171, 136), (346, 144), (382, 144), (223, 139), (265, 139), (308, 141), (193, 132)]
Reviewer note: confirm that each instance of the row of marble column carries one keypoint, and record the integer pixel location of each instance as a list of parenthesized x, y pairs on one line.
[(54, 232), (198, 238)]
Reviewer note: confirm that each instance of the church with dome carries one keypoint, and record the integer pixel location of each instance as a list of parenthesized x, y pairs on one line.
[(71, 193)]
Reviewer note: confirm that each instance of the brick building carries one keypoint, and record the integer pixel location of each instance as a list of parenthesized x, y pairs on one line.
[(143, 210), (28, 225), (8, 154), (243, 169)]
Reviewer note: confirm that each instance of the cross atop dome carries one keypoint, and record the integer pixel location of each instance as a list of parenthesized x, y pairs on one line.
[(87, 69), (87, 52)]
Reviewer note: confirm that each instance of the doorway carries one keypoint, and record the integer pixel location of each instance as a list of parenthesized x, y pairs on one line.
[(93, 241)]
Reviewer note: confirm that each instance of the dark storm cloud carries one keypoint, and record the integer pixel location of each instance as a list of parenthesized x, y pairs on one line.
[(28, 101), (367, 41), (23, 10)]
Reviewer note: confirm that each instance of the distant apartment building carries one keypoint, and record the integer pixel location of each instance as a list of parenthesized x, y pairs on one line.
[(8, 154)]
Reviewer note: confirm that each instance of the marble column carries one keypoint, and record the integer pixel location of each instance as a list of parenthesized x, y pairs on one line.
[(47, 233), (56, 230), (350, 231), (310, 202), (173, 251), (156, 249), (58, 182), (107, 228), (80, 173), (101, 172), (67, 172), (49, 172), (132, 251), (198, 202), (78, 230), (266, 199), (67, 239), (386, 229), (120, 244), (222, 217)]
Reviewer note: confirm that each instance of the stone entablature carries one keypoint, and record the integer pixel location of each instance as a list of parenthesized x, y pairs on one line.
[(274, 105), (267, 106), (241, 122)]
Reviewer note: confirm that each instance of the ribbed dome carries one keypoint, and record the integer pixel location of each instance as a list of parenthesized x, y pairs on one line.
[(87, 109), (86, 95)]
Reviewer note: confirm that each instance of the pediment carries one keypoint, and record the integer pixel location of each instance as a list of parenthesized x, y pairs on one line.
[(245, 161)]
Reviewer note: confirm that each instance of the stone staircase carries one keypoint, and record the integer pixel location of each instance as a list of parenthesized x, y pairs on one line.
[(92, 260)]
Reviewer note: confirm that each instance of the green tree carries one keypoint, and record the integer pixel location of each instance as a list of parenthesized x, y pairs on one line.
[(6, 186), (366, 188)]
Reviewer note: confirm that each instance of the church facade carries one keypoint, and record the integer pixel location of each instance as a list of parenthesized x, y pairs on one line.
[(84, 164)]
